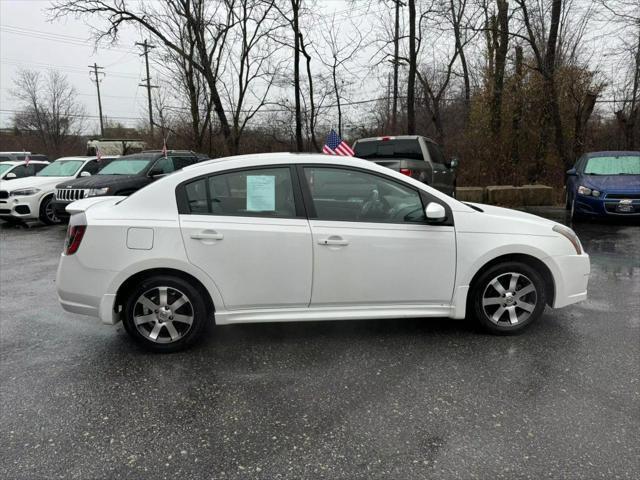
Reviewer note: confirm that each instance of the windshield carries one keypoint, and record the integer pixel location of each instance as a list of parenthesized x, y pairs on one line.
[(61, 168), (624, 165), (389, 149), (4, 167), (125, 166)]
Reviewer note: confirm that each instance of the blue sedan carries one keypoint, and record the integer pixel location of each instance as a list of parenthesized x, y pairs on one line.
[(605, 184)]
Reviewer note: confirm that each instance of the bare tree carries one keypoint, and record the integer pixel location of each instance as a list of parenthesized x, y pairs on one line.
[(210, 22), (413, 69), (49, 108), (343, 44)]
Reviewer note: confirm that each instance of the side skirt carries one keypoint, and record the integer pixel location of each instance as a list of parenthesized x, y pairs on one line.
[(314, 314)]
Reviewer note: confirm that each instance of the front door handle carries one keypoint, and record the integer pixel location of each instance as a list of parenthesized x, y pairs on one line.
[(334, 240), (207, 235)]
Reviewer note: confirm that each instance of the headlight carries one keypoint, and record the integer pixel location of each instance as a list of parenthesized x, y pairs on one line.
[(569, 235), (588, 191), (24, 192), (96, 192)]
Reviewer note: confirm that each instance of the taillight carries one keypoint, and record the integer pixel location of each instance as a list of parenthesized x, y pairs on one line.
[(406, 171), (74, 237)]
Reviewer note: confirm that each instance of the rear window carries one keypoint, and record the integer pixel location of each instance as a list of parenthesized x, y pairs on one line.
[(389, 149)]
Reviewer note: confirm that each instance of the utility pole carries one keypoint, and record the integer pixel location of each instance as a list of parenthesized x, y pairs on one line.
[(96, 78), (147, 81), (396, 61)]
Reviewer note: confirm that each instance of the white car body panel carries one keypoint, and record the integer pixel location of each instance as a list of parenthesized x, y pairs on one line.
[(267, 269), (46, 185)]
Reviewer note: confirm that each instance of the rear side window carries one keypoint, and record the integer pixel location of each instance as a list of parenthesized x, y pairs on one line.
[(256, 193), (435, 153), (181, 162)]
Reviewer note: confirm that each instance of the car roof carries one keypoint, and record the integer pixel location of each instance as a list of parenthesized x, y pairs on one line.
[(20, 162), (612, 153), (394, 137), (281, 158)]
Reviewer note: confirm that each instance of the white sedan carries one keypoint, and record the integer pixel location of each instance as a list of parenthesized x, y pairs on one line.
[(286, 237)]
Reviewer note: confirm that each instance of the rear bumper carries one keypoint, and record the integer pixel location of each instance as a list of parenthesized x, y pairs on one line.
[(80, 290)]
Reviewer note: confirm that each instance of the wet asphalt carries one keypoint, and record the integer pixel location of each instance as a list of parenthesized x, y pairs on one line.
[(397, 399)]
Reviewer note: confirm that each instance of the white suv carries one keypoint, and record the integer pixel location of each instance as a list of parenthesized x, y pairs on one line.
[(282, 237), (30, 198)]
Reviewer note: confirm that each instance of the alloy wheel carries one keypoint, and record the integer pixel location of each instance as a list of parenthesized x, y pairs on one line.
[(163, 314), (50, 213), (510, 298)]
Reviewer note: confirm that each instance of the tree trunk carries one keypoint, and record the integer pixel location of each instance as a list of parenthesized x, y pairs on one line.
[(396, 66), (583, 113), (501, 40), (312, 113), (455, 16), (295, 4), (516, 121), (411, 82)]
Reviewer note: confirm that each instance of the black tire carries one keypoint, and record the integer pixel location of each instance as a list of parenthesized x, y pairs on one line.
[(483, 288), (47, 214), (174, 287)]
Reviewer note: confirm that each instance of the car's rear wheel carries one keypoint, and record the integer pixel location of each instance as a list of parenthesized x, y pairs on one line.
[(508, 297), (47, 213), (165, 313)]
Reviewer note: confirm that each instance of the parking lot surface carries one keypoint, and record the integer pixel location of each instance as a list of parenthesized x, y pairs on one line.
[(397, 399)]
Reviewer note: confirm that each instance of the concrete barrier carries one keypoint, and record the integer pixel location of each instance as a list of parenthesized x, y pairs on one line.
[(503, 195), (537, 195), (470, 194)]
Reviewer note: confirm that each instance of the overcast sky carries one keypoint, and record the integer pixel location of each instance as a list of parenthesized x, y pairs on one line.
[(29, 40)]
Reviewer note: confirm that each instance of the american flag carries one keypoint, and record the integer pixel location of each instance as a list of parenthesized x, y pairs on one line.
[(336, 146), (164, 147), (27, 158), (98, 154)]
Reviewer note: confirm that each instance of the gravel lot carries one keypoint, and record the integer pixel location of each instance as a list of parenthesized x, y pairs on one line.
[(338, 400)]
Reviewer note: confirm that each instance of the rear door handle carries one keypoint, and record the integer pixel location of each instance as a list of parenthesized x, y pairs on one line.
[(207, 235), (334, 240)]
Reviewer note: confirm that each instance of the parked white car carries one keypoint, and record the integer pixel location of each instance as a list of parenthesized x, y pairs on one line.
[(30, 198), (14, 169), (284, 237)]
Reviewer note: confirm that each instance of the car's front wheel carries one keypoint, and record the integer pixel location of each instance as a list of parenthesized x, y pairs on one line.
[(47, 213), (508, 297), (165, 313)]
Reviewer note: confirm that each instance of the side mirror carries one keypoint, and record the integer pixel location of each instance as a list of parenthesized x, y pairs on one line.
[(10, 176), (572, 172), (453, 163), (85, 174), (435, 212), (156, 173)]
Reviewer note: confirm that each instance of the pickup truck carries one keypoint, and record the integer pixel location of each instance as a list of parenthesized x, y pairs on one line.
[(413, 155)]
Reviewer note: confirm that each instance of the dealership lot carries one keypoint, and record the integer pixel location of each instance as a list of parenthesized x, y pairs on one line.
[(366, 399)]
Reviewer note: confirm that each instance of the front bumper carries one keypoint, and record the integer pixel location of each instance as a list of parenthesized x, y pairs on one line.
[(571, 277), (608, 205), (20, 208), (60, 206)]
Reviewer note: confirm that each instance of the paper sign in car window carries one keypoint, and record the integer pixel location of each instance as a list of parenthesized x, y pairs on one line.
[(261, 193)]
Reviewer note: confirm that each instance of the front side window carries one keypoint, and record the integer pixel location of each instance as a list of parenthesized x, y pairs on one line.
[(356, 196), (623, 165), (61, 168), (264, 192), (22, 171)]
